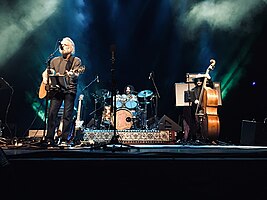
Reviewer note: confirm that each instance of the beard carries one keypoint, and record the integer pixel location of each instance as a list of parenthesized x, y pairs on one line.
[(65, 52)]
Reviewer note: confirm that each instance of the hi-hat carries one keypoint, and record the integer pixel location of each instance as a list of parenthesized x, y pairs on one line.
[(145, 93), (146, 102)]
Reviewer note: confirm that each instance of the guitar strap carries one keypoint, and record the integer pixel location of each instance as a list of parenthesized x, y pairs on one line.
[(69, 63), (69, 66)]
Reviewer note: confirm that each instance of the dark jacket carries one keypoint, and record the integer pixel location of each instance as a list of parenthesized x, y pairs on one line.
[(60, 65)]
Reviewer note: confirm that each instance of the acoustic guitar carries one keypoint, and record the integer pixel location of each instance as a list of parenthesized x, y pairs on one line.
[(42, 90), (43, 86)]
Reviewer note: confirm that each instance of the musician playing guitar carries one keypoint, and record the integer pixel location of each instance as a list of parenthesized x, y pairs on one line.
[(69, 66)]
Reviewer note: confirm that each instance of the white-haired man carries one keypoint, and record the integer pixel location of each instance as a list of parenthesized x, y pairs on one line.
[(68, 67)]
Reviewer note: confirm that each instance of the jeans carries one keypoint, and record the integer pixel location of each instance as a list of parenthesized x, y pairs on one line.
[(55, 103)]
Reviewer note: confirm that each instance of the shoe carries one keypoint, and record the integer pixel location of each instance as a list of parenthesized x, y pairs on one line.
[(48, 143), (65, 144)]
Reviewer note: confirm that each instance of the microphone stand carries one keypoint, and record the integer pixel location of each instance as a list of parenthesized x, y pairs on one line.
[(89, 84), (157, 98), (48, 90), (114, 138), (96, 79)]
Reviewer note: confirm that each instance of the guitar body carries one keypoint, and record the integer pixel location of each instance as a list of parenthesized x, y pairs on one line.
[(42, 88), (42, 91)]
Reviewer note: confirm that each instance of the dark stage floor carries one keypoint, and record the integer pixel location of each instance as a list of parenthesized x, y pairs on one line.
[(219, 170)]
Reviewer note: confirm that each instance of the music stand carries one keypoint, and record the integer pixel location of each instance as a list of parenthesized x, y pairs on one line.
[(58, 82), (182, 93)]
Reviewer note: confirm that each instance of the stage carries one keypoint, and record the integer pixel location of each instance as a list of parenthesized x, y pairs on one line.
[(122, 151), (122, 170)]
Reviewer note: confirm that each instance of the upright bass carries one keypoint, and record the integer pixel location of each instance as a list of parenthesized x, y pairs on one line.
[(207, 116)]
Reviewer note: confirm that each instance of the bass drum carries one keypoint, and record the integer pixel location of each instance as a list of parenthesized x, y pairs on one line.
[(124, 119)]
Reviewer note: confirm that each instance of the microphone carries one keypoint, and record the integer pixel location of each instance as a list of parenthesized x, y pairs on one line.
[(150, 75), (97, 79), (60, 45)]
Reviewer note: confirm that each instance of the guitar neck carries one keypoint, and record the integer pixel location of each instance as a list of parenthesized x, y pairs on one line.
[(79, 108)]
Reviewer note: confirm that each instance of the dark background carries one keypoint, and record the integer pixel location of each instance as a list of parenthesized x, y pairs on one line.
[(168, 38)]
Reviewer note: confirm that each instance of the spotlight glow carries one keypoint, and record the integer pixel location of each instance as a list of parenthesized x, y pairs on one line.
[(15, 28)]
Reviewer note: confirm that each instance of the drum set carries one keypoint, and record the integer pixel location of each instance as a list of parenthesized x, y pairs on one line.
[(131, 110)]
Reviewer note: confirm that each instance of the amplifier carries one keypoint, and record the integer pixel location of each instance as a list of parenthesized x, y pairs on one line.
[(130, 136), (36, 133)]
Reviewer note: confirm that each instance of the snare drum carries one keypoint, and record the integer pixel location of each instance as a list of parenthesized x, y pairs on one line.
[(131, 102)]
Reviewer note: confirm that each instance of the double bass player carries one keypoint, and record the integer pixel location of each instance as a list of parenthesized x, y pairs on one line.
[(199, 125)]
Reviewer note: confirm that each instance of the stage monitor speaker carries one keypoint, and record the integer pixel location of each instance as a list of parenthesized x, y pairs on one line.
[(253, 133), (165, 123), (3, 159), (181, 88)]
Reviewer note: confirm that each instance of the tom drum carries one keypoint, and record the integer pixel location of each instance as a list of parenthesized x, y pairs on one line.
[(131, 102)]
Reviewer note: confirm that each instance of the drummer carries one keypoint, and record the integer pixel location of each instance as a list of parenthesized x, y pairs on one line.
[(129, 90), (130, 97)]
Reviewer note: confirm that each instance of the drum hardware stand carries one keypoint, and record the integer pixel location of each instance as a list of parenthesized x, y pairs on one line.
[(151, 76), (145, 114), (95, 120), (94, 112), (144, 94), (95, 80)]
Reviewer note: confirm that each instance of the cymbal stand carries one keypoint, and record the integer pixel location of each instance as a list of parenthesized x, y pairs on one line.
[(145, 114), (96, 109), (157, 97), (95, 120), (96, 79)]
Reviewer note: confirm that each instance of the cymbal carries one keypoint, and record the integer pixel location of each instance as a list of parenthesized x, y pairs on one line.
[(95, 96), (103, 93), (145, 93)]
